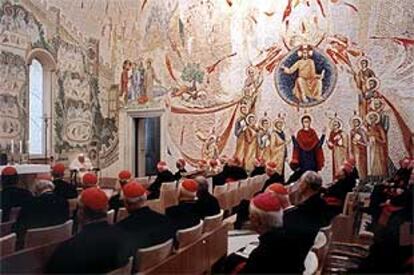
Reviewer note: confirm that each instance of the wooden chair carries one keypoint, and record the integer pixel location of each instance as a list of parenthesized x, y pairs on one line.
[(168, 195), (8, 244), (349, 203), (107, 182), (156, 206), (126, 269), (212, 222), (220, 194), (73, 205), (144, 181), (122, 214), (148, 257), (28, 261), (243, 193), (210, 185), (1, 215), (6, 228), (189, 235), (110, 215), (311, 264), (40, 236)]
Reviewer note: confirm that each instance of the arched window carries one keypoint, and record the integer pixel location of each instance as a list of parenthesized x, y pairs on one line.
[(36, 109)]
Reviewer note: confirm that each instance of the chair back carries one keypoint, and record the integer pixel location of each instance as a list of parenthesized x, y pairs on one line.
[(220, 189), (50, 234), (6, 228), (143, 180), (220, 194), (107, 182), (233, 185), (14, 213), (189, 235), (1, 215), (311, 264), (73, 205), (210, 185), (212, 222), (156, 206), (110, 215), (148, 257), (28, 261), (126, 269), (349, 203), (168, 194), (122, 214), (8, 244)]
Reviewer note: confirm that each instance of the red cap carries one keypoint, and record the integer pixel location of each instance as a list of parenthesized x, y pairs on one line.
[(124, 175), (58, 169), (213, 162), (347, 167), (90, 179), (277, 188), (189, 185), (9, 171), (271, 165), (181, 162), (267, 202), (352, 160), (162, 166), (94, 198), (258, 162), (133, 190)]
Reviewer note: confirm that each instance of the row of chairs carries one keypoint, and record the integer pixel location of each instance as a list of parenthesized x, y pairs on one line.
[(35, 258), (230, 194)]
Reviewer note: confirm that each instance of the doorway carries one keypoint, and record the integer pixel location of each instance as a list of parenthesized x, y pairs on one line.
[(148, 145)]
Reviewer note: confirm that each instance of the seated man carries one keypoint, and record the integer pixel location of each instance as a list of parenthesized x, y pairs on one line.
[(81, 165), (62, 188), (184, 214), (277, 251), (143, 227), (180, 164), (46, 209), (116, 201), (335, 195), (259, 167), (98, 247), (11, 195), (89, 180), (206, 204), (235, 171), (273, 175), (306, 218), (164, 175), (277, 189)]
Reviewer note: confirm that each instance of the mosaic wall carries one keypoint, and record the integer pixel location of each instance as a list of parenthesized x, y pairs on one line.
[(79, 123), (237, 78)]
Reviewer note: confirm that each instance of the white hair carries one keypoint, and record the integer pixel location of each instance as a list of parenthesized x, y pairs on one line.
[(42, 186), (269, 220), (140, 199), (312, 179)]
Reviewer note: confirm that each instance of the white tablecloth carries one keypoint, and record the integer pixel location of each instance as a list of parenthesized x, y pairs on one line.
[(23, 169)]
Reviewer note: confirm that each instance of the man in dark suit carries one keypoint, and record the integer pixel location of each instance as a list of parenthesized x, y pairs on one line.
[(116, 202), (143, 227), (206, 204), (184, 214), (306, 218), (277, 251), (180, 164), (273, 175), (164, 175), (46, 209), (62, 188), (11, 195), (259, 167), (98, 247)]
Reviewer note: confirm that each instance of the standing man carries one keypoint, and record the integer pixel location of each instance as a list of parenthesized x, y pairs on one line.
[(307, 148)]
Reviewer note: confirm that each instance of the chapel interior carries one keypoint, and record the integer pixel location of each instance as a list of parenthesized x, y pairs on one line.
[(206, 136)]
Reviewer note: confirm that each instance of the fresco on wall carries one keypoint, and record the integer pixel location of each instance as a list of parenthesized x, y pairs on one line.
[(13, 75), (239, 79)]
